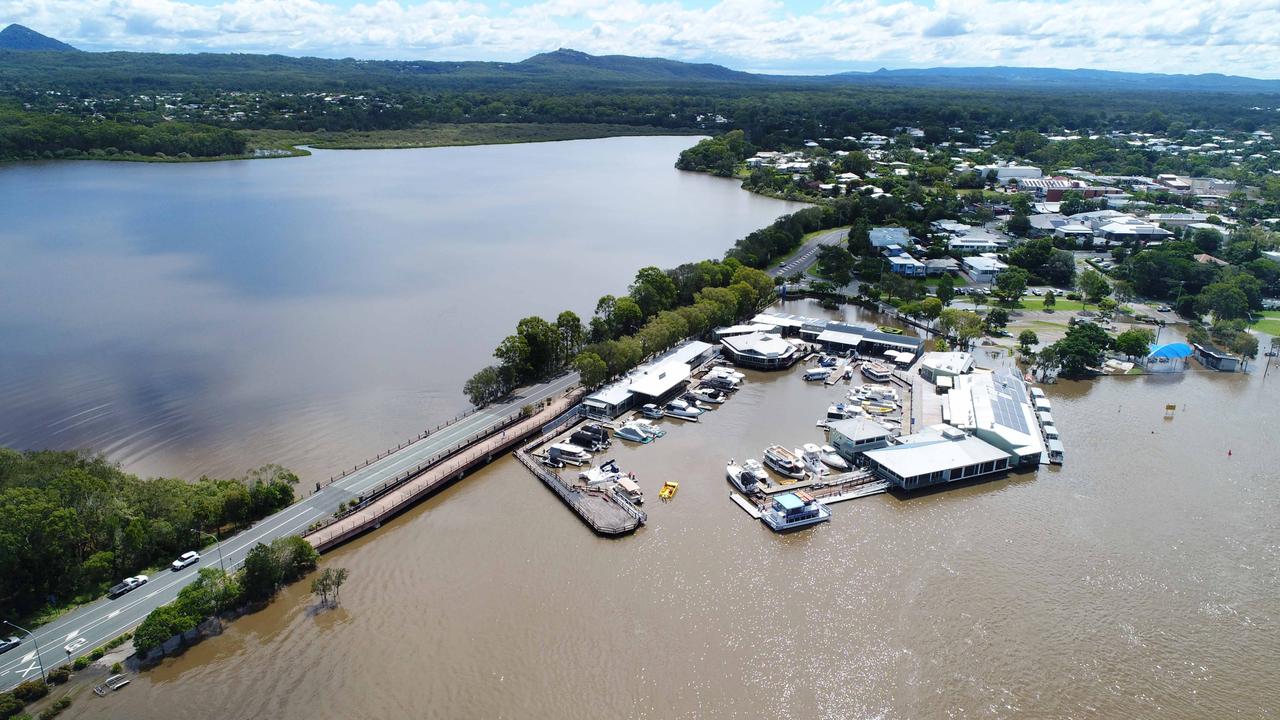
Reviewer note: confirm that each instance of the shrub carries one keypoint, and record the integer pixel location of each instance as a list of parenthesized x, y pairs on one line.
[(97, 653), (31, 690), (56, 708), (117, 668), (10, 705), (81, 663), (60, 674)]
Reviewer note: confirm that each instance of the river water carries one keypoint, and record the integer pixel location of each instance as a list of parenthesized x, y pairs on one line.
[(207, 318), (1141, 579)]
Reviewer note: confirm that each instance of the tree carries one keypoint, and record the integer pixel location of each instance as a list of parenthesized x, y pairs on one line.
[(1027, 339), (161, 624), (1135, 342), (261, 574), (1207, 239), (997, 319), (1080, 349), (946, 289), (653, 290), (1226, 301), (836, 264), (1050, 299), (485, 386), (627, 317), (328, 584), (930, 308), (1019, 225), (592, 368), (1010, 284), (860, 238), (572, 334), (1093, 286)]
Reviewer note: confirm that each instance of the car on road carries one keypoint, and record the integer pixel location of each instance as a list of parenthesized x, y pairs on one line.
[(186, 559), (127, 585), (1164, 308), (12, 642), (75, 645)]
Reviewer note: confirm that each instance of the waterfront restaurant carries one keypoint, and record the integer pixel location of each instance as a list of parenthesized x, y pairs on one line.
[(760, 350), (936, 455)]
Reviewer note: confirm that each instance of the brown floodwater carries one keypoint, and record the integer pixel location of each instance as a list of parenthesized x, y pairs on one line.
[(1140, 579)]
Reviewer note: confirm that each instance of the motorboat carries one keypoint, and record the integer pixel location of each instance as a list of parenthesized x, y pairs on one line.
[(811, 456), (634, 434), (784, 462), (113, 683), (683, 410), (726, 372), (668, 490), (874, 392), (648, 428), (600, 432), (816, 374), (720, 382), (877, 371), (651, 411), (694, 401), (748, 477), (794, 510), (568, 453), (833, 460), (842, 411), (552, 462), (709, 395), (630, 489), (586, 441), (607, 472)]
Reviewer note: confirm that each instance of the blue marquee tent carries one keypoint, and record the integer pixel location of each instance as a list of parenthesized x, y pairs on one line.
[(1170, 357)]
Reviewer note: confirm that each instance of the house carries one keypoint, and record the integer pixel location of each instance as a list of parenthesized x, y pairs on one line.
[(882, 237), (1207, 259), (1177, 219), (941, 266), (904, 264), (950, 227), (1132, 231), (982, 269)]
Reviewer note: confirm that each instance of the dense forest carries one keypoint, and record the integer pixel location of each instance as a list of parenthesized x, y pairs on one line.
[(75, 523), (28, 135)]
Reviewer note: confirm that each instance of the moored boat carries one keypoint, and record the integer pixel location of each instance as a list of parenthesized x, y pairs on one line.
[(709, 395), (811, 456), (651, 411), (876, 371), (816, 374), (784, 462), (748, 477), (631, 433), (648, 428), (683, 410), (791, 511), (833, 459)]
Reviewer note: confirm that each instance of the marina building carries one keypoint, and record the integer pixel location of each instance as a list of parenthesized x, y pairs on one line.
[(996, 408), (857, 435), (760, 350), (936, 455), (654, 382), (935, 365)]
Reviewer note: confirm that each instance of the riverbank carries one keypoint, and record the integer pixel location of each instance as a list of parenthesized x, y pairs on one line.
[(448, 135)]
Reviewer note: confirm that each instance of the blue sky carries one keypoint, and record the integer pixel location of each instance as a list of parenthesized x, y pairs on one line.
[(791, 36)]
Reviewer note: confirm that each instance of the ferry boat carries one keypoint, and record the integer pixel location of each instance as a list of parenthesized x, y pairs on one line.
[(784, 462), (877, 371), (567, 453), (748, 477), (833, 460), (631, 433), (794, 510), (683, 410), (651, 411), (816, 374)]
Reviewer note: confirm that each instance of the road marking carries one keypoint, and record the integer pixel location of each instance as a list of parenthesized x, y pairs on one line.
[(28, 657), (27, 670), (112, 614), (70, 636)]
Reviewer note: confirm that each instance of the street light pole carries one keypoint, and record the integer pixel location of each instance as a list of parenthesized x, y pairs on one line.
[(32, 635), (218, 543)]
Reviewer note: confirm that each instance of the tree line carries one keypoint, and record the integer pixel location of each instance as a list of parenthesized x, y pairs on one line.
[(75, 523), (29, 135)]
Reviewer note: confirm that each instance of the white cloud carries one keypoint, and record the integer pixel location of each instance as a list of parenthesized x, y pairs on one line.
[(1230, 36)]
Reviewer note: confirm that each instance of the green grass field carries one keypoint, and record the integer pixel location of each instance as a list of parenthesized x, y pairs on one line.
[(1268, 323)]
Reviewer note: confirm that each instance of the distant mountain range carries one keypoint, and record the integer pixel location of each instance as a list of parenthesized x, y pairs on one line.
[(17, 37), (28, 56)]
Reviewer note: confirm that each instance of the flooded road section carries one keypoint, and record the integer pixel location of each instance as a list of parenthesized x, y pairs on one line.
[(1140, 579)]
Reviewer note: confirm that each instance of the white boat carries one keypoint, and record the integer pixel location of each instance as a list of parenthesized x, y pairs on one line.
[(648, 428), (722, 371), (721, 382), (694, 401), (811, 456), (564, 452), (791, 511), (709, 395), (841, 411), (817, 374), (874, 392), (651, 411), (748, 477), (877, 371), (784, 462), (631, 433), (607, 472), (833, 459), (683, 410), (629, 489)]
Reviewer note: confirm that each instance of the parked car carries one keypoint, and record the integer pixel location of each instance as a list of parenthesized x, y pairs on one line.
[(186, 559), (12, 642)]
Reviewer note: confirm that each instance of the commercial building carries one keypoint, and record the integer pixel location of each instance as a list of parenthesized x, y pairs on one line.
[(936, 365), (1006, 173), (855, 436), (653, 382), (995, 408), (935, 456), (982, 269), (760, 350)]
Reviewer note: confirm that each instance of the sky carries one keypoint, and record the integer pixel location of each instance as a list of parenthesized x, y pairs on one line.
[(1237, 37)]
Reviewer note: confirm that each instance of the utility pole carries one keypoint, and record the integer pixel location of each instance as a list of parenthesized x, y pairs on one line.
[(218, 543), (37, 643)]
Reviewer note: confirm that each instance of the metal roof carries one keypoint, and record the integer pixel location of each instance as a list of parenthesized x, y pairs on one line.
[(929, 456)]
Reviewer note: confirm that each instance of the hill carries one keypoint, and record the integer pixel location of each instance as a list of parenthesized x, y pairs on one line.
[(625, 67), (1052, 78), (18, 37)]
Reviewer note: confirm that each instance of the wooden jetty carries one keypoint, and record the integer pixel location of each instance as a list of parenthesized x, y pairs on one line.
[(604, 511)]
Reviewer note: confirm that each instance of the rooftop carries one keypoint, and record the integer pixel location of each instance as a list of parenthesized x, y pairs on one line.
[(956, 363), (759, 344), (859, 428), (932, 451)]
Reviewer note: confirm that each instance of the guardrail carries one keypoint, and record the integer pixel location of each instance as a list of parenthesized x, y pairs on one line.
[(423, 436)]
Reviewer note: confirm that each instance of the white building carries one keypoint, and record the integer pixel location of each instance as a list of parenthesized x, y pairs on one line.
[(982, 269)]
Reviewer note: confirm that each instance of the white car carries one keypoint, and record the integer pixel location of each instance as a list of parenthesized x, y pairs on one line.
[(186, 559), (136, 581)]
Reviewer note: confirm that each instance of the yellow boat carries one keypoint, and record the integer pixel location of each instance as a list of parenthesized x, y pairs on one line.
[(668, 489)]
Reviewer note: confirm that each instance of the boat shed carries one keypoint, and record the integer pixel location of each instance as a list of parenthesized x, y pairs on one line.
[(937, 455), (857, 435), (650, 383), (760, 350), (840, 337)]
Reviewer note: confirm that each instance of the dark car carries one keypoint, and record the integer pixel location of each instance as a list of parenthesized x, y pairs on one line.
[(11, 643), (118, 589)]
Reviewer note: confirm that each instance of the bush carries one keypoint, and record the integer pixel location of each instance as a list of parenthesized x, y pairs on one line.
[(81, 663), (97, 654), (60, 674), (117, 668), (31, 690), (10, 705), (56, 708)]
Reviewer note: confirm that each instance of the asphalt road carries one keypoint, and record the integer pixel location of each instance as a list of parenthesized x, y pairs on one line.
[(105, 619), (803, 258)]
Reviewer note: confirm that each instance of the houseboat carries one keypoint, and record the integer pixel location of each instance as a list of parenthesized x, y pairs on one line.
[(874, 392), (630, 489), (876, 371), (568, 453), (749, 477), (791, 511), (784, 462), (816, 374)]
